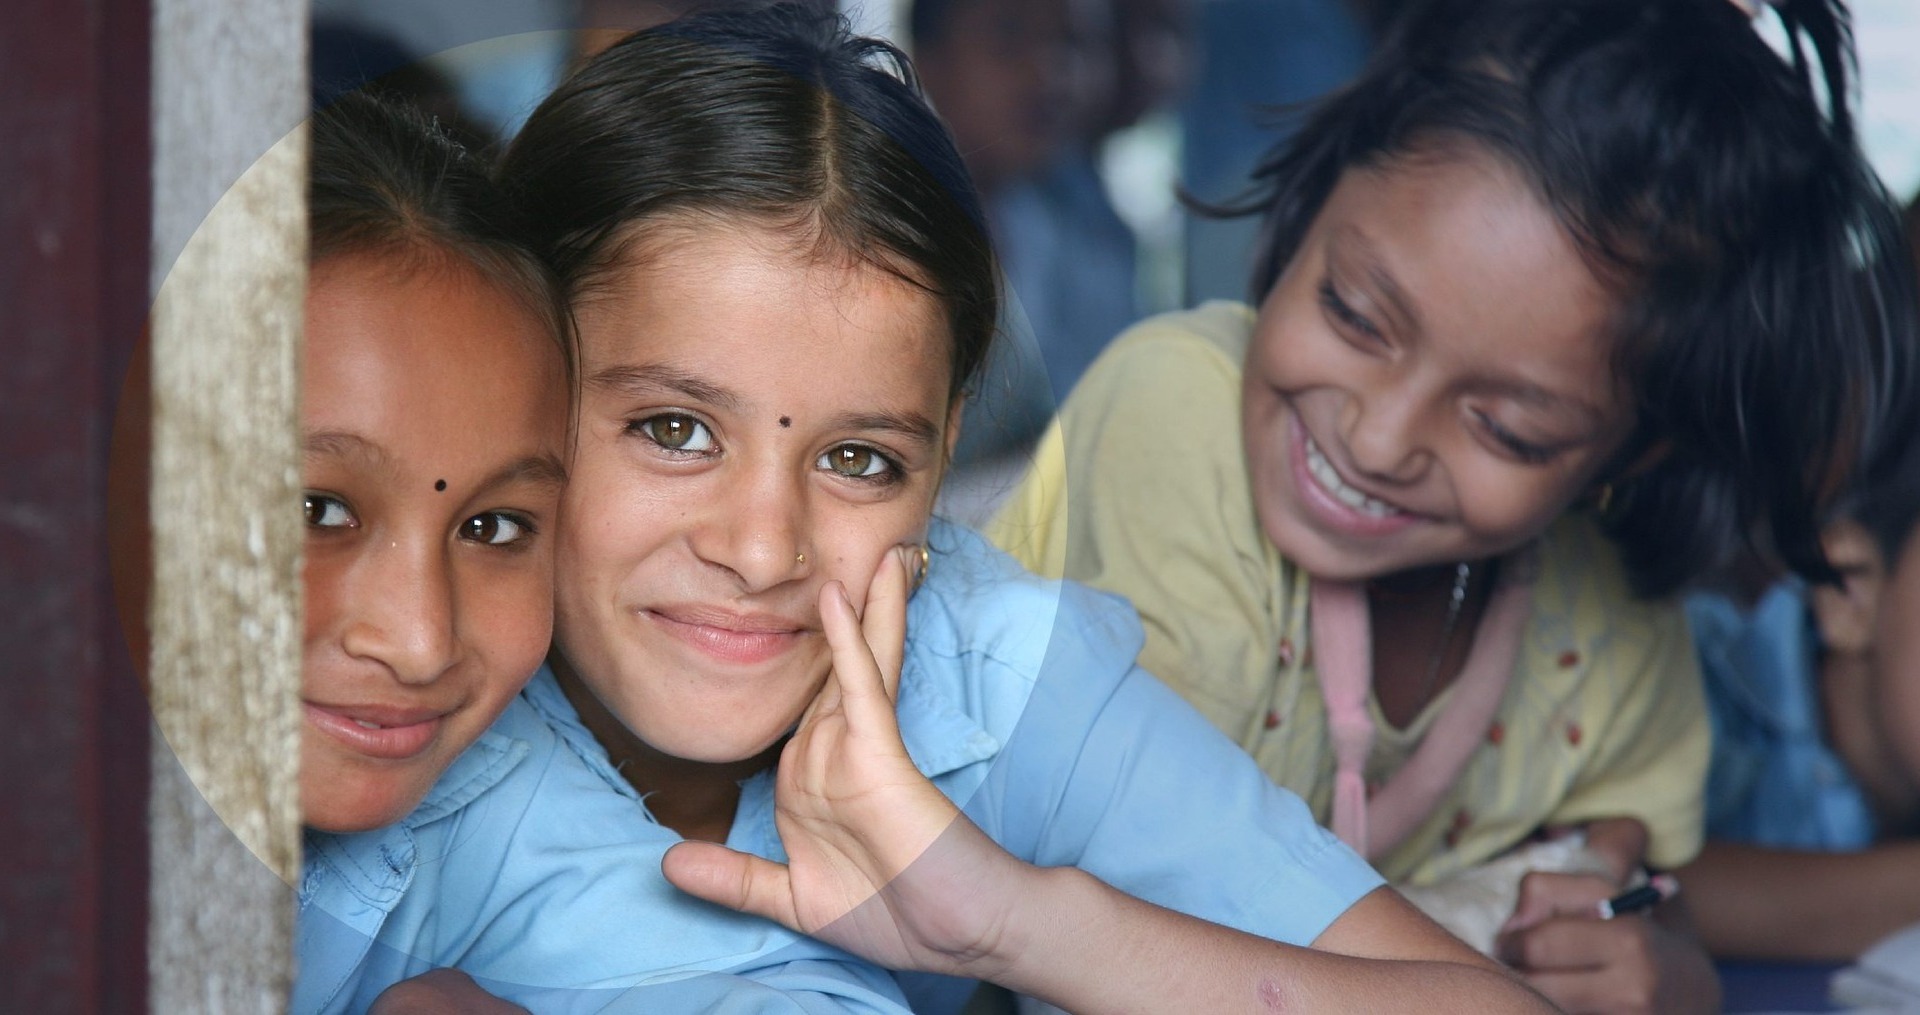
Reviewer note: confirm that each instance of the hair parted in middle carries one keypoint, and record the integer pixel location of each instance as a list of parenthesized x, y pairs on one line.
[(775, 115)]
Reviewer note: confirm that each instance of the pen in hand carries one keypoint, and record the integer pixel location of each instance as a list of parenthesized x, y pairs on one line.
[(1658, 889)]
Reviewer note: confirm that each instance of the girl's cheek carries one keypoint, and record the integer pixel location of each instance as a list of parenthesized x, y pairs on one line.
[(511, 621)]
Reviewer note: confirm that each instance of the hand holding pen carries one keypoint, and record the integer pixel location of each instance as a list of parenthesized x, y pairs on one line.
[(1658, 888)]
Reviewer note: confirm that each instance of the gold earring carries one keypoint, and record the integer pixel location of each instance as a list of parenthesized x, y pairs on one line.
[(926, 564)]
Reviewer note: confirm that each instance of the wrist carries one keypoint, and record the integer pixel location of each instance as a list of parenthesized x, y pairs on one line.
[(1056, 920)]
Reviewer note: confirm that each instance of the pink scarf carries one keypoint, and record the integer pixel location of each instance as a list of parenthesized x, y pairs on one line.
[(1343, 654)]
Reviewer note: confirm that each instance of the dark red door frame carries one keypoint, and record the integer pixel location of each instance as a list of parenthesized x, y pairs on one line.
[(74, 239)]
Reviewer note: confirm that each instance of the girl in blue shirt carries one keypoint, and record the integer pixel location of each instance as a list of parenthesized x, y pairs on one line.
[(783, 287), (446, 824)]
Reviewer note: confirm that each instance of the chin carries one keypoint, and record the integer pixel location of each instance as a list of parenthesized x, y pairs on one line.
[(705, 744), (369, 811)]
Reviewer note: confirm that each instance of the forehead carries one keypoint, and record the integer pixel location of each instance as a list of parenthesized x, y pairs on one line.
[(761, 310), (1477, 260), (401, 346)]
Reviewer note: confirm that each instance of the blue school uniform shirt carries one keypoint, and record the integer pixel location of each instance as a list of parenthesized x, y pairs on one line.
[(525, 868), (1774, 780), (1020, 699)]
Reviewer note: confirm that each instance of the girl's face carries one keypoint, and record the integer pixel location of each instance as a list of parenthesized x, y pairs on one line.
[(1430, 379), (757, 420), (434, 423)]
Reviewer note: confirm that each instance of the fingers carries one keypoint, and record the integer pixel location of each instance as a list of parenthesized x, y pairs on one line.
[(1584, 964), (1564, 943), (1544, 895), (855, 670), (884, 622), (736, 880)]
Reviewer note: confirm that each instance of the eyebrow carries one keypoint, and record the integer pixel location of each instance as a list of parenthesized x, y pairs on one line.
[(537, 470), (342, 444), (1369, 264), (1391, 291), (911, 426), (543, 470), (639, 381), (1534, 394)]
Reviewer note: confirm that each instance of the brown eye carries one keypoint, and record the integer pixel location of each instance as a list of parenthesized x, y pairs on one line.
[(494, 529), (677, 432), (324, 512), (855, 461)]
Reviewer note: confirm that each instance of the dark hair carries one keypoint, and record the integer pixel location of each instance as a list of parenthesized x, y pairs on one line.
[(384, 180), (777, 114), (1766, 310), (1886, 500)]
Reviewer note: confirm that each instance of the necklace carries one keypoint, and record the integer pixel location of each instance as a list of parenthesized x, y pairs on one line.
[(1456, 598)]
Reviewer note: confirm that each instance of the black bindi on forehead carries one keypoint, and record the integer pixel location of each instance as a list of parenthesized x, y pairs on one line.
[(440, 484), (786, 421)]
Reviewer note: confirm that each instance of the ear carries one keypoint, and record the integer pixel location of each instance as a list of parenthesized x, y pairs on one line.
[(1845, 612)]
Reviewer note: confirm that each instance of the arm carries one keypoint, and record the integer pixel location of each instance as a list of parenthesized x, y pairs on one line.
[(884, 865), (1753, 902), (1080, 944)]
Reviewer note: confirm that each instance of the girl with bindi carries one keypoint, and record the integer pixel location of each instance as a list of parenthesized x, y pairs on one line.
[(906, 744), (448, 828)]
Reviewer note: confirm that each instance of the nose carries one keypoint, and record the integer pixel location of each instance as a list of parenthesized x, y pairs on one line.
[(404, 611), (757, 529), (1386, 436)]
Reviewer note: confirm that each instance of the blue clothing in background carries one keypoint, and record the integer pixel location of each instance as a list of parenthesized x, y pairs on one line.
[(527, 870), (1258, 56), (1020, 699), (1774, 780), (1070, 265)]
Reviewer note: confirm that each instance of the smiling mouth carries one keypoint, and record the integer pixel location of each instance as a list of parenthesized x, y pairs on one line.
[(743, 640), (378, 733), (1329, 479)]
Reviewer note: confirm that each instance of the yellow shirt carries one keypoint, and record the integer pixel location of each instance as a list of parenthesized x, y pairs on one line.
[(1140, 488)]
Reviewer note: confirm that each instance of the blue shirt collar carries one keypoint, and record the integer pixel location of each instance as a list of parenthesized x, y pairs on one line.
[(376, 866), (544, 694)]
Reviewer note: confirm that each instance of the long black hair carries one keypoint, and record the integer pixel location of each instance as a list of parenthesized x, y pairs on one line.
[(1766, 303), (775, 114)]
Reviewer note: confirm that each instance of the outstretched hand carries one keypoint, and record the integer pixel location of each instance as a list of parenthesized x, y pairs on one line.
[(855, 814)]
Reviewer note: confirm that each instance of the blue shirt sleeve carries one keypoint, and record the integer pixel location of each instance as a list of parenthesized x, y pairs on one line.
[(1161, 805)]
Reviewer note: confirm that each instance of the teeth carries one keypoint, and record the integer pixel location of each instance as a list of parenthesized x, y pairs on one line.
[(365, 725), (1323, 471)]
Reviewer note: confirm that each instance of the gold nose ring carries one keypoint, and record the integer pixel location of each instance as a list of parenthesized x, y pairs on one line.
[(799, 558)]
